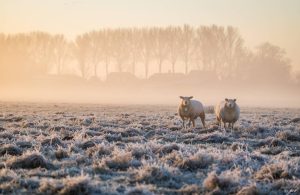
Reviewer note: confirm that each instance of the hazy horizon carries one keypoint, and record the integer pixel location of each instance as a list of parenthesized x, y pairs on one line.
[(111, 51)]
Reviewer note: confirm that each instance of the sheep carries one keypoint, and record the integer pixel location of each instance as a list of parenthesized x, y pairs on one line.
[(227, 112), (191, 109)]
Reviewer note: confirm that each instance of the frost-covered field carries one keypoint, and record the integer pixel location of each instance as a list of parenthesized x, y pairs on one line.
[(90, 149)]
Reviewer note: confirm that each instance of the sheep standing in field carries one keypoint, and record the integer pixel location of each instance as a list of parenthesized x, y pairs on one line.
[(191, 109), (227, 112)]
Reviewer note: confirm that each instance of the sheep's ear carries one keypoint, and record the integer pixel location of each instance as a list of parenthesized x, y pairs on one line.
[(226, 99), (191, 97), (234, 100), (181, 97)]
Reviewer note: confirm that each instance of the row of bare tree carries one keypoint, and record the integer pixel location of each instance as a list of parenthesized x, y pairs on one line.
[(183, 48)]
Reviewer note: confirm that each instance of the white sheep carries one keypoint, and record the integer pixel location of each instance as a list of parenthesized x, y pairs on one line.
[(191, 109), (227, 112)]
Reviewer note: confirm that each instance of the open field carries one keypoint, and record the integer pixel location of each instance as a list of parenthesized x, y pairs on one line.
[(93, 149)]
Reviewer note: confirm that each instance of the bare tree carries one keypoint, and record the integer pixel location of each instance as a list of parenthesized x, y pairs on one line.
[(95, 48), (16, 58), (61, 52), (174, 45), (187, 50), (245, 65), (134, 47), (41, 50), (198, 50), (82, 54), (120, 48), (270, 57), (106, 48), (233, 50), (160, 46), (211, 40), (147, 48)]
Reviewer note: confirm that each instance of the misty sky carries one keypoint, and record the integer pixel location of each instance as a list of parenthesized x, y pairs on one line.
[(276, 21)]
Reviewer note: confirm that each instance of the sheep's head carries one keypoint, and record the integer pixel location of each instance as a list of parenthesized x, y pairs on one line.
[(230, 103), (185, 101)]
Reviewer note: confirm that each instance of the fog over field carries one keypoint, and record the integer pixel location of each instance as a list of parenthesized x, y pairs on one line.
[(100, 52), (152, 65)]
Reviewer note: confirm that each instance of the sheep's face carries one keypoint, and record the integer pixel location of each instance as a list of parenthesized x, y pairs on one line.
[(230, 103), (186, 101)]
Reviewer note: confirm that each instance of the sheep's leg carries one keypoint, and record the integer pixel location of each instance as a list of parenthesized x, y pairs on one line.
[(189, 124), (224, 125), (202, 117), (193, 121), (229, 126), (219, 122), (219, 125), (183, 124)]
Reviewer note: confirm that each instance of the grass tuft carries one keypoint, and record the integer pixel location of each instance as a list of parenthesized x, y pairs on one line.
[(55, 142), (197, 161), (119, 161), (29, 161), (10, 149), (248, 190), (211, 181), (61, 153), (273, 172), (288, 135), (158, 175)]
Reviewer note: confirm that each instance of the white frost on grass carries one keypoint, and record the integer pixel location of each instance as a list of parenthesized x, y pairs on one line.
[(65, 149)]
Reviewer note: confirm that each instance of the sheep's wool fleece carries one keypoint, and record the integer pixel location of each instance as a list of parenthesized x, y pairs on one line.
[(197, 107)]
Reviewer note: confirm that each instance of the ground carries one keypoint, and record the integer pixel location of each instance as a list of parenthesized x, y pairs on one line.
[(102, 149)]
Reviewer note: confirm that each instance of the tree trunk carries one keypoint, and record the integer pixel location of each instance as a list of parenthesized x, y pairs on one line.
[(59, 69), (146, 69), (95, 70), (173, 67), (82, 73), (82, 69), (186, 67), (106, 67), (159, 66), (133, 67)]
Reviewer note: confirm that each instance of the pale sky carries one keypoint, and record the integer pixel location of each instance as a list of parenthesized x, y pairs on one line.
[(276, 21)]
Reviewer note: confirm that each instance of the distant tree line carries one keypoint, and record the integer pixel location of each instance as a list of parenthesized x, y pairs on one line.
[(182, 48)]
